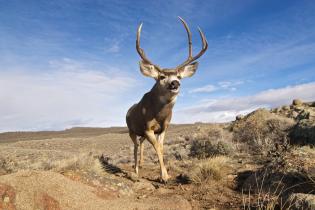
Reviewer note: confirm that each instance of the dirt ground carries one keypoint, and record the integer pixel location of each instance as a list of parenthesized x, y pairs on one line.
[(41, 172), (92, 168)]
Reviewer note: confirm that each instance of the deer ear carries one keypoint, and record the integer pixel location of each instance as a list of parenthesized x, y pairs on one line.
[(148, 70), (188, 70)]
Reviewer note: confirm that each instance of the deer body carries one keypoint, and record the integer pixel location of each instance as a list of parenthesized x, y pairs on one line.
[(153, 112), (150, 118)]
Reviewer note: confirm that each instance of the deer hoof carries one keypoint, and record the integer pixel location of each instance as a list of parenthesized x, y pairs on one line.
[(165, 178)]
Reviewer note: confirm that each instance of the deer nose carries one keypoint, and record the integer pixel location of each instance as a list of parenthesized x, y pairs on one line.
[(175, 84)]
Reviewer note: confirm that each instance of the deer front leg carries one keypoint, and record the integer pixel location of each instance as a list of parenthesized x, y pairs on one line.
[(135, 151), (152, 139), (141, 151), (161, 141)]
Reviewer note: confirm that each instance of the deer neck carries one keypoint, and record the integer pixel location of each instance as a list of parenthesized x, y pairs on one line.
[(163, 97)]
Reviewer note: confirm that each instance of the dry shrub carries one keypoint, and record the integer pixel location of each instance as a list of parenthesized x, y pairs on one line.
[(265, 201), (276, 197), (294, 167), (260, 202), (209, 169), (262, 130), (208, 131), (211, 141), (283, 175), (258, 197), (202, 149)]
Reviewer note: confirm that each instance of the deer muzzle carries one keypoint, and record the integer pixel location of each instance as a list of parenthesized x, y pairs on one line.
[(174, 86)]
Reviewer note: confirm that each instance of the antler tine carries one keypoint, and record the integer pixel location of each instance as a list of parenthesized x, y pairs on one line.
[(204, 45), (189, 37), (190, 58), (140, 50)]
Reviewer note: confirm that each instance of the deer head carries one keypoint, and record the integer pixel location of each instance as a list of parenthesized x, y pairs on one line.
[(168, 80)]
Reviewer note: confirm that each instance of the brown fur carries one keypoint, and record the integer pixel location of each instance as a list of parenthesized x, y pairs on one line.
[(150, 114)]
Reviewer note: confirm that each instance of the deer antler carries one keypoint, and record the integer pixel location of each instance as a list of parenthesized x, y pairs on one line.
[(190, 58), (141, 51)]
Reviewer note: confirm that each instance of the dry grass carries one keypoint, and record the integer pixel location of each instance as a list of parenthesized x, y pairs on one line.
[(262, 130), (209, 169), (17, 159), (267, 200), (84, 162), (262, 200)]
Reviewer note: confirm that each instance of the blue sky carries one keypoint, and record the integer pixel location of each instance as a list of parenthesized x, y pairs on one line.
[(73, 62)]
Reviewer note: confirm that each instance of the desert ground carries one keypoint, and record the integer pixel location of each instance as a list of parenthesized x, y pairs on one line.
[(264, 160)]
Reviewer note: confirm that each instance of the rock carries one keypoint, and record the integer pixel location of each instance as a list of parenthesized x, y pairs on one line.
[(294, 114), (297, 102), (141, 196), (132, 176), (176, 202), (286, 108), (298, 108), (181, 154), (231, 177), (96, 183), (45, 201), (277, 110), (303, 115), (301, 201), (303, 132), (239, 117), (7, 197), (143, 185), (163, 190)]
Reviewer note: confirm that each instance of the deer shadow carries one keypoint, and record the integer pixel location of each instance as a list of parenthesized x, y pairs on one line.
[(115, 170)]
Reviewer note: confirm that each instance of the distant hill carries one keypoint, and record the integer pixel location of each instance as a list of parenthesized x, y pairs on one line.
[(72, 132)]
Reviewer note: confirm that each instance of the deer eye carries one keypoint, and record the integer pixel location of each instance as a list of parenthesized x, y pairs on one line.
[(162, 77)]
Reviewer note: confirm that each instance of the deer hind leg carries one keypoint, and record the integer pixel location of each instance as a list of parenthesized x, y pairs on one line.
[(141, 151), (135, 151), (152, 139)]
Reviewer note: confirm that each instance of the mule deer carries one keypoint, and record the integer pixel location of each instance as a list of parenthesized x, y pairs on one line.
[(150, 118)]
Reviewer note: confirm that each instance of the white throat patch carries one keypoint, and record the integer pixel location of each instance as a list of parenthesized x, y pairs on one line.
[(167, 99)]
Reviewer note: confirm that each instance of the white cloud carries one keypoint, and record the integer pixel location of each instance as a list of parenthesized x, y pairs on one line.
[(223, 85), (225, 109), (204, 89), (113, 46), (230, 85), (70, 95)]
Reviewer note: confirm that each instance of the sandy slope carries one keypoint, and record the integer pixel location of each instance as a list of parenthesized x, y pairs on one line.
[(49, 190)]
